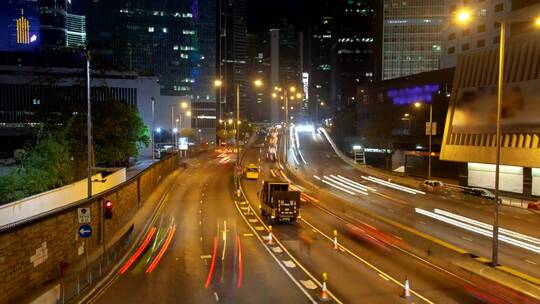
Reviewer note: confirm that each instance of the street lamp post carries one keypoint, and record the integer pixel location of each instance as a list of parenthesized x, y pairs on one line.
[(153, 129), (495, 247), (464, 16), (418, 105), (88, 127)]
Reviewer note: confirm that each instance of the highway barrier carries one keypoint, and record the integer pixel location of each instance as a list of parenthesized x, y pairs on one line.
[(67, 245)]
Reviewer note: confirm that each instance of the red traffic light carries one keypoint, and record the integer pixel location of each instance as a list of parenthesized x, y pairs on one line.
[(107, 213)]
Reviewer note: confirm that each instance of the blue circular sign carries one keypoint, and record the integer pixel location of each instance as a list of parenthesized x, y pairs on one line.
[(85, 231)]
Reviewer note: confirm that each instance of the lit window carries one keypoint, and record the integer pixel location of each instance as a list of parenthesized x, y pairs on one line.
[(175, 47), (184, 56), (164, 29), (151, 29), (188, 32)]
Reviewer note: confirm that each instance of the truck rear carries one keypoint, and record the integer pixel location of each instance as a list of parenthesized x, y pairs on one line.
[(278, 203)]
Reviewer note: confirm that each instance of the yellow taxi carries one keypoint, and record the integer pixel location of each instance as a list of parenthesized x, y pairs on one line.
[(252, 171)]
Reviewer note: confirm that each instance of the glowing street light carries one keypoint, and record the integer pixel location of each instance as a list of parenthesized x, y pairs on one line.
[(158, 130), (258, 82), (274, 95), (463, 16), (184, 105), (537, 22), (298, 95), (292, 89), (175, 130), (218, 83), (230, 121), (188, 113)]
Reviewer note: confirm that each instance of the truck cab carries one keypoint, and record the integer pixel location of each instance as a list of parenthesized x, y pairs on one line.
[(278, 203)]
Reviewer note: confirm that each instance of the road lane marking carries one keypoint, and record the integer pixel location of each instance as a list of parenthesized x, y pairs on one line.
[(531, 262), (384, 277), (216, 296), (277, 249), (293, 279), (308, 284), (289, 264), (373, 267), (248, 234), (467, 238), (259, 228), (253, 220), (207, 256)]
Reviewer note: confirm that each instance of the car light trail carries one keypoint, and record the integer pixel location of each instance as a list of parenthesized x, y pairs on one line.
[(162, 250), (337, 186), (295, 159), (212, 265), (349, 183), (140, 250), (240, 265), (344, 179), (510, 233), (392, 185), (225, 160), (477, 230), (333, 179)]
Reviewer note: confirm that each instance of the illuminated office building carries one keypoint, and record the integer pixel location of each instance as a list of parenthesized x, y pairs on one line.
[(411, 36)]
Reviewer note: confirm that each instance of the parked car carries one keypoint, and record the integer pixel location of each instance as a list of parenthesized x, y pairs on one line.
[(483, 193), (434, 186)]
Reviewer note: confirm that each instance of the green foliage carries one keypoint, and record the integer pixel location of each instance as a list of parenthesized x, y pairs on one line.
[(118, 133), (46, 166)]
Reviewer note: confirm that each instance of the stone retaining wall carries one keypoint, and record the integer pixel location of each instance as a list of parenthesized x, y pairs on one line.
[(31, 254)]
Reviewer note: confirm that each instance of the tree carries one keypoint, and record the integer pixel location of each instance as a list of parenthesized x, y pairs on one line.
[(118, 133), (45, 166)]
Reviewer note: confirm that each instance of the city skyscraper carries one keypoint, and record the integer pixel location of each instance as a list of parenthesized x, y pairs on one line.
[(482, 32), (232, 59), (411, 36), (174, 40)]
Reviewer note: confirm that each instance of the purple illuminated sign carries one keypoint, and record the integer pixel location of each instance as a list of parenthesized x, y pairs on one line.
[(413, 94)]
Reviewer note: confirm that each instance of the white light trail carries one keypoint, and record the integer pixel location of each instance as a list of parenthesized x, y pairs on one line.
[(364, 187), (392, 185), (477, 230), (510, 233), (342, 184), (338, 187)]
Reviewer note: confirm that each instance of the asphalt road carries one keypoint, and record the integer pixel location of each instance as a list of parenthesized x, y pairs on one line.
[(200, 208), (366, 271), (400, 206)]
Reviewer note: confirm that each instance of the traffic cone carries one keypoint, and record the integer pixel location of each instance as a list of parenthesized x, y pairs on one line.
[(406, 291), (324, 297), (270, 241)]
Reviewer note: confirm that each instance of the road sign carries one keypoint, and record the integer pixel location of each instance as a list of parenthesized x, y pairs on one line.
[(84, 215), (85, 231), (432, 130), (183, 143)]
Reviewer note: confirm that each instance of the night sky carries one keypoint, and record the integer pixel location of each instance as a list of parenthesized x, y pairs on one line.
[(260, 14)]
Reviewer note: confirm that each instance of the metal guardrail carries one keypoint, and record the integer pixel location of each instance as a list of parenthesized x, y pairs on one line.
[(74, 284)]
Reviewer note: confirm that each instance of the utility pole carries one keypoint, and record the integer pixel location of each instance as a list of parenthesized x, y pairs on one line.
[(237, 124), (88, 126), (495, 253), (153, 129), (430, 134)]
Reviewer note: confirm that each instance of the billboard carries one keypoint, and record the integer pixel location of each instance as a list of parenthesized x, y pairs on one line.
[(475, 109), (407, 96), (19, 22)]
